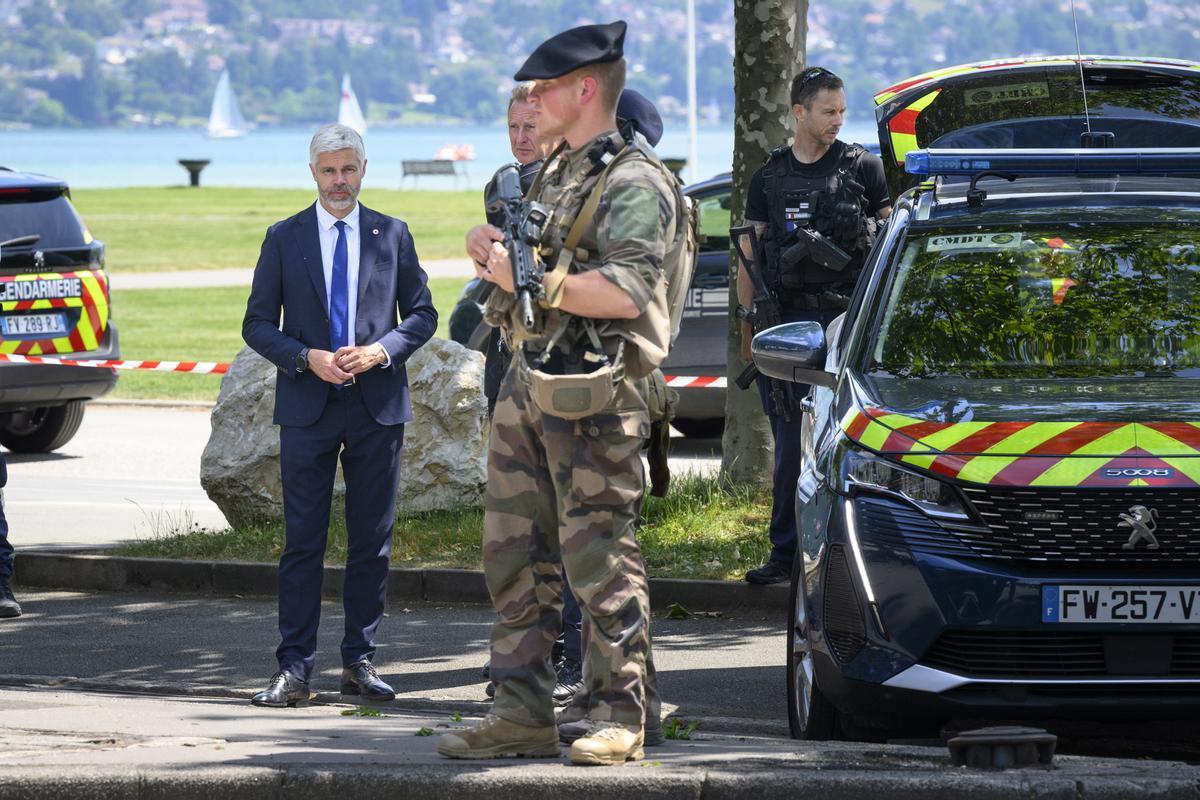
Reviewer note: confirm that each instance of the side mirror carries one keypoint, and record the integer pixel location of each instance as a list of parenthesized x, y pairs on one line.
[(794, 351)]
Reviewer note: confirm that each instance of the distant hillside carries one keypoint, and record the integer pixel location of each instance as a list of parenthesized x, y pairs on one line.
[(129, 62)]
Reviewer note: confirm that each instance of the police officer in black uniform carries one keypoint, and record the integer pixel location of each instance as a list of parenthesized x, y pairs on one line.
[(838, 190), (8, 604)]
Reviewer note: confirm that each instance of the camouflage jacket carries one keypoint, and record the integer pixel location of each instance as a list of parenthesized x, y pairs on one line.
[(626, 240)]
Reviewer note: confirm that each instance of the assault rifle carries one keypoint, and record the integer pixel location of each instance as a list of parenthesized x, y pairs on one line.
[(521, 221), (803, 243), (766, 314)]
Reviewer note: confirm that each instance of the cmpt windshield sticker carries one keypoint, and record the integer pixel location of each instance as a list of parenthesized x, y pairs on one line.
[(1007, 93), (973, 241)]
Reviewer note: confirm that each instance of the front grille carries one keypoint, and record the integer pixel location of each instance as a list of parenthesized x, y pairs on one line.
[(1084, 528), (844, 627), (1034, 654)]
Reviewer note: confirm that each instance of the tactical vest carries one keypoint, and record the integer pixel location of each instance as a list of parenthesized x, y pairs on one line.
[(833, 204), (641, 344)]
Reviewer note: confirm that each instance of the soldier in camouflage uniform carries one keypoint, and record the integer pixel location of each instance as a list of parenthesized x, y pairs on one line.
[(565, 477)]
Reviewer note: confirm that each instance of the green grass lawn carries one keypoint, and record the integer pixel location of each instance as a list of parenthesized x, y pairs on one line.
[(697, 531), (160, 229), (200, 325)]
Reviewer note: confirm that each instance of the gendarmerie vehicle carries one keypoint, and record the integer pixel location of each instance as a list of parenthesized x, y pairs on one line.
[(54, 301), (999, 507)]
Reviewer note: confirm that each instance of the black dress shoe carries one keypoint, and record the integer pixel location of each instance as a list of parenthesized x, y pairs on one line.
[(768, 573), (9, 607), (361, 679), (569, 682), (284, 690)]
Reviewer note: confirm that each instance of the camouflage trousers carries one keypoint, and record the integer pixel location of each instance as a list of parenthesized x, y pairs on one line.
[(566, 492)]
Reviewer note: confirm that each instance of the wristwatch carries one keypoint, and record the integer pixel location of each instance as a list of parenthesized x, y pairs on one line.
[(302, 360)]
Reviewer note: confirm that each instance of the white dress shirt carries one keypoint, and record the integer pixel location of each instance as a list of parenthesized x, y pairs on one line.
[(329, 234)]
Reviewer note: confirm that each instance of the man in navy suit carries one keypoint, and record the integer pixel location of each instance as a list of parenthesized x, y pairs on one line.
[(355, 307)]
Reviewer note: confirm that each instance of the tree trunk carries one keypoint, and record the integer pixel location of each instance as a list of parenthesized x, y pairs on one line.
[(769, 42)]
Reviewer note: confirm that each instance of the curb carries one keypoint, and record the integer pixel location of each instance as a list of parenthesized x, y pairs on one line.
[(470, 780), (105, 573), (192, 405)]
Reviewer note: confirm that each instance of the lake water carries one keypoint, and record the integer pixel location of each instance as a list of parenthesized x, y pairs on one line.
[(277, 157)]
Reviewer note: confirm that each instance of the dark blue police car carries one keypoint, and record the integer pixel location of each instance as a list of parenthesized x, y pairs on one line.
[(999, 506)]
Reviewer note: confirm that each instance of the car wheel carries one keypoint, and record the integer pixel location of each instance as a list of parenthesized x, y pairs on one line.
[(810, 714), (702, 428), (41, 430)]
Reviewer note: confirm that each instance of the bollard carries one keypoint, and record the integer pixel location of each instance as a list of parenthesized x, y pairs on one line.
[(1003, 747), (194, 166)]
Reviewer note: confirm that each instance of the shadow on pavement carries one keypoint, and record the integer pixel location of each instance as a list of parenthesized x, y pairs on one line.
[(429, 653)]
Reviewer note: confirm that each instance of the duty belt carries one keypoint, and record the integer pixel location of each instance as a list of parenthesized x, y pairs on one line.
[(824, 300)]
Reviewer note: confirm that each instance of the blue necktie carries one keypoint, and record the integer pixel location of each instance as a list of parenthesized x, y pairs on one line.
[(339, 292)]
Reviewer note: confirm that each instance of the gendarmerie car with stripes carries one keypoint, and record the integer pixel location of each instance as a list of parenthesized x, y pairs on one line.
[(54, 301), (999, 505)]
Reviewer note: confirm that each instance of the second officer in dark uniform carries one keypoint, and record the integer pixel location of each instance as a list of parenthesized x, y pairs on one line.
[(838, 190)]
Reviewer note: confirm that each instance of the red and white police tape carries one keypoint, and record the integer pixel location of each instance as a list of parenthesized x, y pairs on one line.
[(694, 382), (197, 367), (220, 368)]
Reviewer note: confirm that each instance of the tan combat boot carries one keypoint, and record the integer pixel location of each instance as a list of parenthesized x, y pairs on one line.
[(606, 744), (497, 738)]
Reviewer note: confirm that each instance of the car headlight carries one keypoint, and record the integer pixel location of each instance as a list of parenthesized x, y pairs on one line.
[(860, 470)]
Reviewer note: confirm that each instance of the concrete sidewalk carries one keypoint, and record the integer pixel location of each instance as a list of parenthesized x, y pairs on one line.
[(58, 743)]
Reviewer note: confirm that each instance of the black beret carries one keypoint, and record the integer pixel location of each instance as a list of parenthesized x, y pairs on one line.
[(634, 107), (568, 51)]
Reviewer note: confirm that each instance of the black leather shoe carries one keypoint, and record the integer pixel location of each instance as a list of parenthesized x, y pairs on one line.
[(770, 572), (361, 679), (9, 607), (284, 690), (569, 682)]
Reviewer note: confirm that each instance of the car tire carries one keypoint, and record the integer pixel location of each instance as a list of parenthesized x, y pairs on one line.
[(41, 430), (810, 714), (701, 428)]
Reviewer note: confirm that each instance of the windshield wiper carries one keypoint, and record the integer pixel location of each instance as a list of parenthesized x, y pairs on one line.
[(31, 238)]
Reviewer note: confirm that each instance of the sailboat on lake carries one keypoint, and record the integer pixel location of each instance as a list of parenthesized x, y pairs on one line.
[(225, 120), (350, 112)]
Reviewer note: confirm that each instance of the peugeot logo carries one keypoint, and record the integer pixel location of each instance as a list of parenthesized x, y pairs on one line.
[(1143, 521)]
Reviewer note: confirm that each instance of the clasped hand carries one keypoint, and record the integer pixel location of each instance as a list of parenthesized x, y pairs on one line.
[(485, 246), (347, 362)]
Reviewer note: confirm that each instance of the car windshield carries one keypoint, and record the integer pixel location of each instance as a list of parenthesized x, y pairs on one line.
[(1068, 301)]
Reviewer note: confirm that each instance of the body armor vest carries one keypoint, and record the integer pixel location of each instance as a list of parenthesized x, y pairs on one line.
[(833, 204)]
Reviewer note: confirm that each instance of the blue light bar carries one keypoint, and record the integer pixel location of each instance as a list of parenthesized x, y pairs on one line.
[(1099, 161)]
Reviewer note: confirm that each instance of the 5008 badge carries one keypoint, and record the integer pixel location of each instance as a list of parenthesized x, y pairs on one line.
[(1139, 472)]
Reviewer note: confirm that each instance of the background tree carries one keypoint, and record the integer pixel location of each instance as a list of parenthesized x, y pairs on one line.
[(769, 41)]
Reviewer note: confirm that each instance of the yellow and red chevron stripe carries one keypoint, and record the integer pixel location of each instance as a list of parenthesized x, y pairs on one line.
[(1036, 453), (903, 126), (93, 320), (1036, 61)]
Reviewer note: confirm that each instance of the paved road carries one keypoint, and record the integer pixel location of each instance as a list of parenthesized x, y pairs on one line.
[(732, 666), (727, 671), (134, 471), (130, 472)]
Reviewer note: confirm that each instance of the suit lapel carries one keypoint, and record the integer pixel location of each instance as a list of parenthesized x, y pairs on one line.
[(368, 249), (310, 249)]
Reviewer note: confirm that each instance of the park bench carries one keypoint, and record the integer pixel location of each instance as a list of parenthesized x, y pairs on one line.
[(417, 168)]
